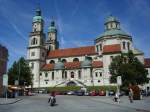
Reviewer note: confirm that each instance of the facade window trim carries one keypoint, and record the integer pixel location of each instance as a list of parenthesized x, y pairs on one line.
[(124, 45)]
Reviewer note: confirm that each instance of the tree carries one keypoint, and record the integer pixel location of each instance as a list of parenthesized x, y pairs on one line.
[(20, 70), (129, 68)]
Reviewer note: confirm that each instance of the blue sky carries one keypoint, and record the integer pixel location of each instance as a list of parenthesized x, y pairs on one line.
[(79, 22)]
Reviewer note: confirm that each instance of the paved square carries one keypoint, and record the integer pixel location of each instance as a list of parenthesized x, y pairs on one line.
[(39, 103)]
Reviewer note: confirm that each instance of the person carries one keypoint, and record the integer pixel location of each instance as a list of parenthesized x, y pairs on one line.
[(116, 98), (52, 99), (131, 95)]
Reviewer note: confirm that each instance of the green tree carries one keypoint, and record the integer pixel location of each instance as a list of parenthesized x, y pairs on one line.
[(129, 68), (20, 70)]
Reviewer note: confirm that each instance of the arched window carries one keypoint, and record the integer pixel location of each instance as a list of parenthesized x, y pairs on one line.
[(52, 62), (65, 74), (32, 65), (52, 75), (72, 74), (64, 60), (46, 74), (90, 58), (96, 74), (124, 45), (40, 74), (100, 74), (49, 48), (79, 74), (62, 74), (34, 41), (75, 60), (128, 44)]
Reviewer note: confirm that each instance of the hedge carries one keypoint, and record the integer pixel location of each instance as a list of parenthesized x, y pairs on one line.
[(73, 88)]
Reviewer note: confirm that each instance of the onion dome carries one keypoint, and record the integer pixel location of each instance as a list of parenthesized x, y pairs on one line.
[(87, 62), (52, 27), (38, 17)]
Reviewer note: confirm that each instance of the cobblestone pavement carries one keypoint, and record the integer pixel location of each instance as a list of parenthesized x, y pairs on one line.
[(39, 103)]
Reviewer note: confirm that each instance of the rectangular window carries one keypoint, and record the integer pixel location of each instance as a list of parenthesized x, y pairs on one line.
[(100, 47), (97, 49), (32, 53)]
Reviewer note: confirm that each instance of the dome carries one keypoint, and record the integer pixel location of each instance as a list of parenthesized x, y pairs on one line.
[(113, 32), (37, 19), (52, 27), (86, 63), (59, 65), (111, 19)]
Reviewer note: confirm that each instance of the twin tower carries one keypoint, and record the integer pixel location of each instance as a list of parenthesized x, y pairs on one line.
[(38, 46)]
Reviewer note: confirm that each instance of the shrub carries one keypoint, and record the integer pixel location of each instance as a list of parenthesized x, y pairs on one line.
[(74, 88)]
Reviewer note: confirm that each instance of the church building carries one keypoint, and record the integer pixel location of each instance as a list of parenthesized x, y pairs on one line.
[(82, 66)]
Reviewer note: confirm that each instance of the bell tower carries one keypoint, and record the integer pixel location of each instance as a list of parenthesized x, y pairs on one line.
[(36, 51), (52, 43)]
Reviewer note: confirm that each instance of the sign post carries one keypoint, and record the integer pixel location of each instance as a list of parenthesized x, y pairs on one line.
[(119, 83), (5, 83)]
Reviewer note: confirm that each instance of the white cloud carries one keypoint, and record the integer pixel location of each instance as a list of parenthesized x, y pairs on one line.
[(18, 31)]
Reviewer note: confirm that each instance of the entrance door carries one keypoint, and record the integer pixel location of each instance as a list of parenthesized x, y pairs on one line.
[(72, 74), (71, 83)]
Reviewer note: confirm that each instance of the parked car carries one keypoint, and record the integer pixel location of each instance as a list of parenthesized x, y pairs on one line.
[(102, 93), (87, 93), (30, 93), (111, 93), (93, 93), (122, 93), (79, 93), (71, 93)]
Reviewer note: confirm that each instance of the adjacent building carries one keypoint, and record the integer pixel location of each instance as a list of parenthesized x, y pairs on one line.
[(80, 66), (3, 65)]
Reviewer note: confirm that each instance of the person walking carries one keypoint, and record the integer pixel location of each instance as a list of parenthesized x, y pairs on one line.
[(131, 95)]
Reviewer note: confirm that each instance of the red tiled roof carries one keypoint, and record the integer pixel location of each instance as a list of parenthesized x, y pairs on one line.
[(147, 62), (48, 67), (72, 65), (96, 64), (115, 48), (81, 51)]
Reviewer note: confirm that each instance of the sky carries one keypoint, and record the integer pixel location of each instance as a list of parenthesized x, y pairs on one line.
[(79, 22)]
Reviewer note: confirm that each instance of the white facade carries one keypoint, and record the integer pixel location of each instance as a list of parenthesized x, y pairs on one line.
[(44, 56)]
